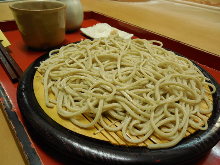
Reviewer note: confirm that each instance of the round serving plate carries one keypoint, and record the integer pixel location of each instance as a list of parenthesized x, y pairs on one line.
[(71, 145)]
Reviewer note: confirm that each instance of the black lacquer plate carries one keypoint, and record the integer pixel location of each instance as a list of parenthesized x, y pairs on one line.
[(71, 145)]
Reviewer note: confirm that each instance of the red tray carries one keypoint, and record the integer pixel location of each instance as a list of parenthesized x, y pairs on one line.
[(36, 153)]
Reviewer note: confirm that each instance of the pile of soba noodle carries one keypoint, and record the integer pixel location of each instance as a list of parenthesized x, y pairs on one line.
[(135, 83)]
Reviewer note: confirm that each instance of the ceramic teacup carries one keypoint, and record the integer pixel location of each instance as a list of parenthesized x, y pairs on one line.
[(41, 22)]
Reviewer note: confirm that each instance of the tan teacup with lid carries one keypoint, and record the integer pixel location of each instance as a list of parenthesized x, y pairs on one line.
[(41, 22)]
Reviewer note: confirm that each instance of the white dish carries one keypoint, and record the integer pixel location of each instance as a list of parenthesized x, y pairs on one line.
[(103, 30)]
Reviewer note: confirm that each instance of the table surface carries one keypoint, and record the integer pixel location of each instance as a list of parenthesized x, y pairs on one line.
[(197, 25)]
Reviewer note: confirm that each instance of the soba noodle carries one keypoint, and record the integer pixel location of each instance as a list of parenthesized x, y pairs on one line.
[(135, 83)]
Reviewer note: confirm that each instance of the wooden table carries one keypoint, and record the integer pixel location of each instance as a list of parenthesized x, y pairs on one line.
[(197, 26)]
